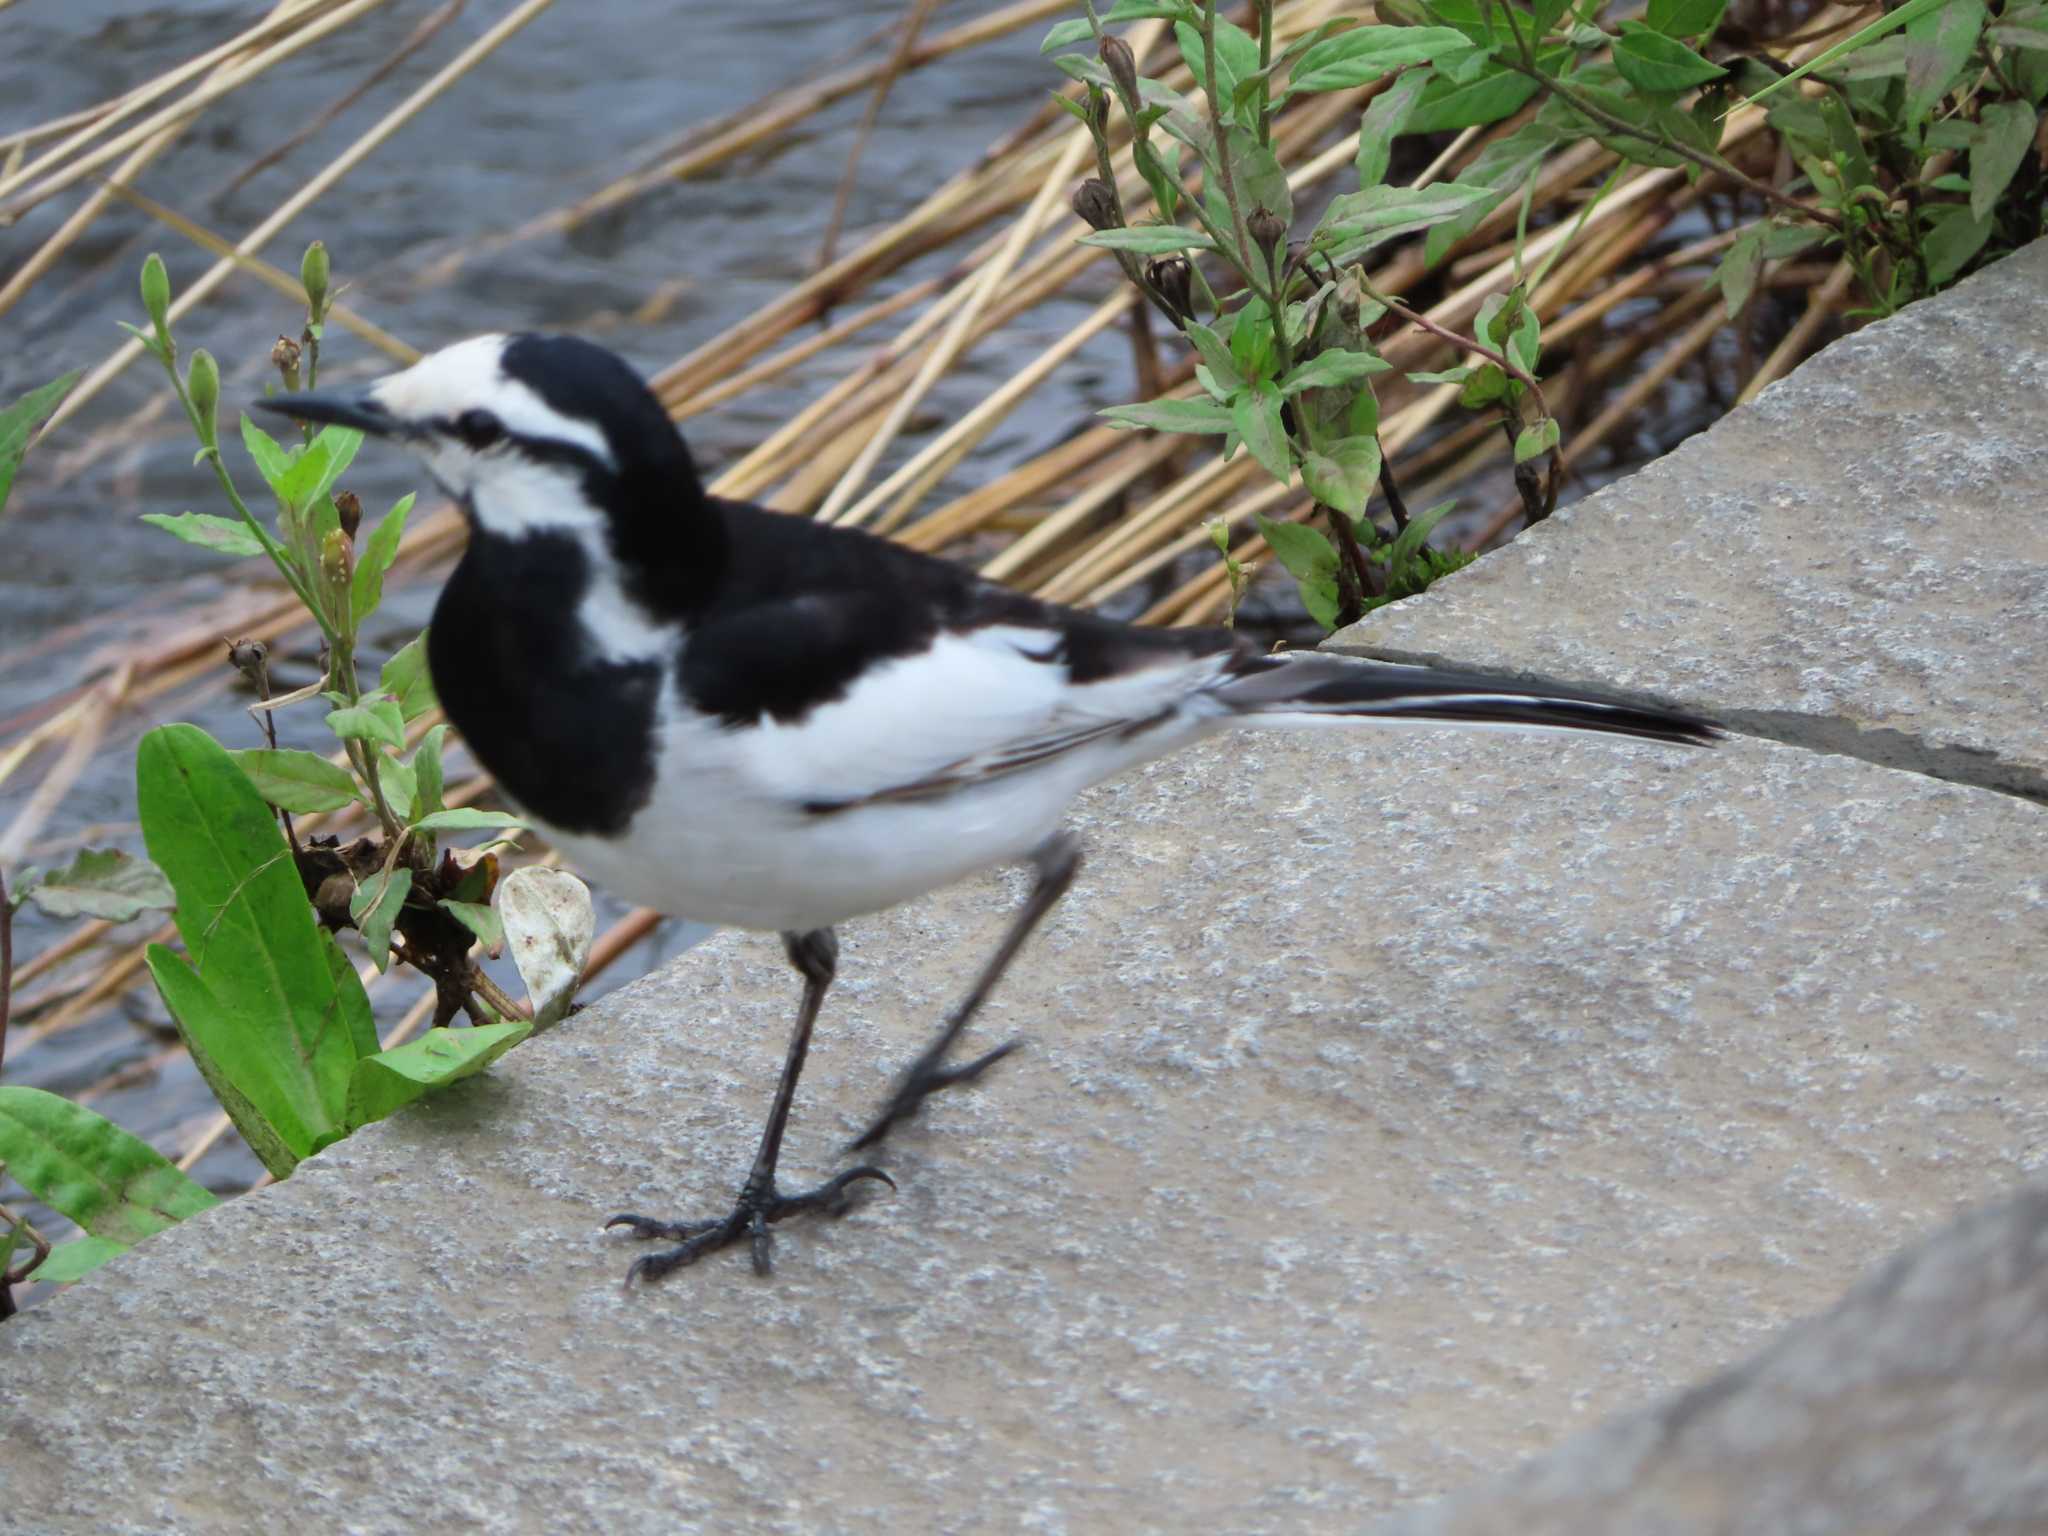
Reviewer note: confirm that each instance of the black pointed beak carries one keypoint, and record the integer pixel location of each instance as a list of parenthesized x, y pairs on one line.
[(359, 411)]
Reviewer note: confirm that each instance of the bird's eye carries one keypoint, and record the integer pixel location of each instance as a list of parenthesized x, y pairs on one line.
[(479, 429)]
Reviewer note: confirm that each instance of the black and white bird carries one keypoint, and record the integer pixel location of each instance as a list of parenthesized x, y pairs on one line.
[(755, 720)]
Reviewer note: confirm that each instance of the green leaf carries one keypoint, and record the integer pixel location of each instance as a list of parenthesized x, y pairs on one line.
[(103, 883), (1415, 535), (1457, 375), (1685, 18), (1171, 416), (375, 906), (1329, 370), (1150, 239), (1237, 55), (377, 718), (1740, 268), (77, 1259), (1343, 474), (258, 1002), (1862, 38), (1216, 353), (1251, 341), (318, 465), (2004, 134), (1259, 180), (1487, 384), (392, 1079), (400, 785), (271, 461), (1938, 47), (1358, 221), (1305, 552), (426, 770), (1953, 238), (479, 920), (300, 782), (405, 678), (1255, 413), (1076, 29), (1361, 56), (1495, 94), (81, 1164), (1650, 61), (1535, 440), (228, 535), (366, 589), (465, 818), (1385, 121), (18, 423), (1505, 165)]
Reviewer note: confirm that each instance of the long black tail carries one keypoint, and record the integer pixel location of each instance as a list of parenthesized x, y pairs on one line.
[(1307, 686)]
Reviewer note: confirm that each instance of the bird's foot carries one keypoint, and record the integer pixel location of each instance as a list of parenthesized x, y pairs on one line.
[(759, 1205), (923, 1078)]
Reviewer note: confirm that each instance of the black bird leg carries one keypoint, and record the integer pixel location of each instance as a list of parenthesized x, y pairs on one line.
[(816, 956), (1056, 861)]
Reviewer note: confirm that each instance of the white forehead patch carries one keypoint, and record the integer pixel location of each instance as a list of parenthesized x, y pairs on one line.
[(469, 376)]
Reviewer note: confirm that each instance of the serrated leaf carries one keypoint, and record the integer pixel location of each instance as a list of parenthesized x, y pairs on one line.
[(1150, 239), (479, 920), (375, 906), (300, 782), (1357, 221), (376, 719), (1536, 440), (405, 678), (392, 1079), (270, 460), (1361, 56), (104, 883), (1333, 369), (549, 923), (466, 818), (18, 424), (1342, 474), (1255, 413), (1496, 94), (226, 535), (2005, 132), (1386, 119), (1171, 416), (1652, 62), (366, 589)]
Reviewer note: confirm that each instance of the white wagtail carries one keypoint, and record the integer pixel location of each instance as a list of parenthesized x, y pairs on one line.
[(758, 721)]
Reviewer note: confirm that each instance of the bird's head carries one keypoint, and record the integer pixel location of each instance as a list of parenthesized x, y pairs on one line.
[(530, 433)]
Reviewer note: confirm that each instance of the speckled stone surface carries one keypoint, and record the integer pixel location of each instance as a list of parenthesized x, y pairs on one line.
[(1857, 562), (1917, 1405), (1396, 1105)]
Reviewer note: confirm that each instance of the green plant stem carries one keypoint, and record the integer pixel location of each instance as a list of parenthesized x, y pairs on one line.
[(6, 963), (1714, 163), (1265, 11), (1219, 129)]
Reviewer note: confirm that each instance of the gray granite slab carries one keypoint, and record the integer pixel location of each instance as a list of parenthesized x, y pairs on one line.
[(1396, 1105), (1857, 562), (1917, 1404)]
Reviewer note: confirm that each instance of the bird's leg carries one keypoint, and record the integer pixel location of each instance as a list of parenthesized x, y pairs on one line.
[(815, 955), (1056, 862)]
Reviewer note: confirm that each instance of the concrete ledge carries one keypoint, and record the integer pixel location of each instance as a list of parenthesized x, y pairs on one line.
[(1858, 562), (1395, 1103), (1918, 1404)]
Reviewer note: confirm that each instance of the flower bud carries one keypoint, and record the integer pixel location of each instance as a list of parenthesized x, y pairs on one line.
[(1122, 65), (313, 277), (1095, 201), (1266, 227), (284, 357), (337, 563), (1096, 106), (1174, 279), (348, 506), (202, 383), (248, 657), (156, 291)]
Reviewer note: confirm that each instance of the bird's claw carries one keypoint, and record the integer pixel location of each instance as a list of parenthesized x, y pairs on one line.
[(921, 1079), (752, 1214)]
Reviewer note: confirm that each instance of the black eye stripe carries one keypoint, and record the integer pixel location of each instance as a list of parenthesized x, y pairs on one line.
[(478, 428)]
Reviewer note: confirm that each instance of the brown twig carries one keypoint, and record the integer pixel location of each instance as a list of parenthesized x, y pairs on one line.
[(899, 60)]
